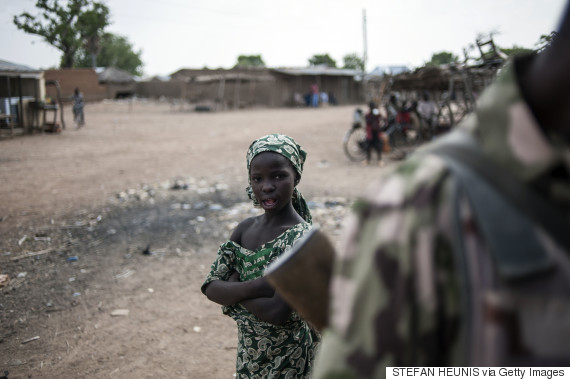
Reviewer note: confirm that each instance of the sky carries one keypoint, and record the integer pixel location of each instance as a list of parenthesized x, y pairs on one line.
[(176, 34)]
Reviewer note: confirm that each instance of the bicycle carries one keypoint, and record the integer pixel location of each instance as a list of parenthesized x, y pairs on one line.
[(354, 141)]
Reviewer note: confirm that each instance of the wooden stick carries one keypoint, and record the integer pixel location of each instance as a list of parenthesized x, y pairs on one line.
[(31, 339), (32, 254)]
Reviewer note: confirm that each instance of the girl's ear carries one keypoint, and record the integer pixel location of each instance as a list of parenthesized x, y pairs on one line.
[(297, 179)]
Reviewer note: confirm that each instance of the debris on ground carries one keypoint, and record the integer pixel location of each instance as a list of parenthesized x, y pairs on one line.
[(31, 339), (147, 251), (4, 280), (171, 219), (120, 312), (149, 192)]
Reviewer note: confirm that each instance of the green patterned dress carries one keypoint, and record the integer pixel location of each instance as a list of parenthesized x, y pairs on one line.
[(265, 350)]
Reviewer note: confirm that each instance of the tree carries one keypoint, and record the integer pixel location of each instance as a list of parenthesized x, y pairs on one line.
[(92, 30), (322, 59), (250, 61), (67, 27), (115, 51), (545, 40), (353, 61), (443, 57)]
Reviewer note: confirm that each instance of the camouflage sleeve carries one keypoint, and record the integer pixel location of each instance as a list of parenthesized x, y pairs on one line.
[(394, 291)]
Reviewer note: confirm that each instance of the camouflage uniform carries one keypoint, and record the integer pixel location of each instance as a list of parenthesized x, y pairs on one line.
[(395, 291)]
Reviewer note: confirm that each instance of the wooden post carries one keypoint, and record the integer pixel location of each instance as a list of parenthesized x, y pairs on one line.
[(221, 92), (21, 102), (236, 91), (9, 110), (182, 94), (252, 97)]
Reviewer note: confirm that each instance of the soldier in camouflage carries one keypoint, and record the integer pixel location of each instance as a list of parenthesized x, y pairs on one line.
[(396, 298)]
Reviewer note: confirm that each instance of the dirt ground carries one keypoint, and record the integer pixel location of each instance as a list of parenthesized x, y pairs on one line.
[(108, 232)]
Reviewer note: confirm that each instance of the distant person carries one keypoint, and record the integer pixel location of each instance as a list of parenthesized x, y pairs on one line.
[(308, 99), (358, 119), (273, 340), (298, 99), (373, 138), (427, 109), (431, 275), (332, 99), (324, 99), (315, 95), (392, 109), (77, 103)]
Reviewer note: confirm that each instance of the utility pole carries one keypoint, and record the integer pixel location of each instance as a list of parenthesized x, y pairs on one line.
[(365, 40), (364, 54)]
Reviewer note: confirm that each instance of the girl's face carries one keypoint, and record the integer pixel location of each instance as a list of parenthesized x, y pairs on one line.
[(273, 180)]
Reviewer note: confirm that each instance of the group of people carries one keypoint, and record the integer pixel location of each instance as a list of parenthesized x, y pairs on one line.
[(315, 98), (421, 279), (377, 128)]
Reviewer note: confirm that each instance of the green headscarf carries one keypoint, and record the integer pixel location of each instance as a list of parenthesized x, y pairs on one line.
[(286, 146)]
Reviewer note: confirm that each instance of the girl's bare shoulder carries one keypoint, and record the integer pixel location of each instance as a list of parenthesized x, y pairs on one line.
[(241, 228)]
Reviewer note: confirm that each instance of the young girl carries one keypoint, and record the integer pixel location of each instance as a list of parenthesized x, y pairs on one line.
[(273, 340)]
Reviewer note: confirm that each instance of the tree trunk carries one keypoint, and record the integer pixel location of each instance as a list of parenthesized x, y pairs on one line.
[(67, 60)]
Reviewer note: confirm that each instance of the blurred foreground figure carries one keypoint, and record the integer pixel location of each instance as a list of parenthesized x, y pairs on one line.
[(460, 255)]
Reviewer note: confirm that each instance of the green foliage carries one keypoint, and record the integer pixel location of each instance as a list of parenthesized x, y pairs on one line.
[(68, 27), (545, 40), (250, 61), (92, 32), (115, 51), (443, 57), (353, 61), (515, 50), (322, 59)]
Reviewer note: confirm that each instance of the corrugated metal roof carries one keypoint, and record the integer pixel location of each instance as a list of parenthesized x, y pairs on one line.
[(388, 70), (234, 76), (15, 67), (317, 70)]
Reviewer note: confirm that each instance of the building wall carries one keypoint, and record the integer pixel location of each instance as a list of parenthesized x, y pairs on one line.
[(156, 89), (229, 93), (120, 90), (233, 93), (83, 78), (344, 88)]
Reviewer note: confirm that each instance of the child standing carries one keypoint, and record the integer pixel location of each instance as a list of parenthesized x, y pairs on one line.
[(78, 115), (373, 131), (273, 340)]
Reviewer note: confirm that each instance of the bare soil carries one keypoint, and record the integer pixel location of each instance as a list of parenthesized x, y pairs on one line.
[(108, 232)]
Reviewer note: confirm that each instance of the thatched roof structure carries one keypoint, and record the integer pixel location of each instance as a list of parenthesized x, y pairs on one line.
[(114, 75), (439, 78)]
